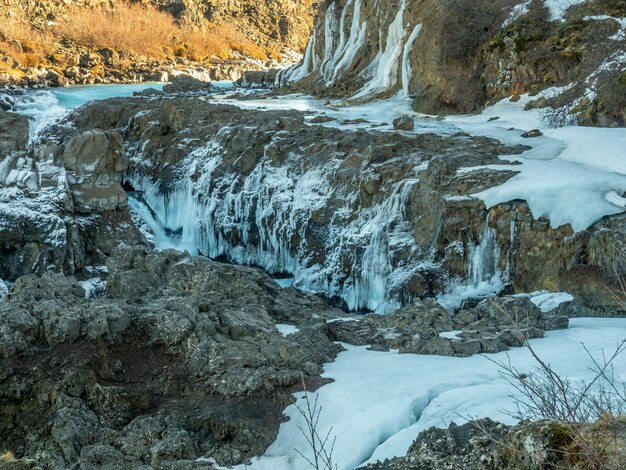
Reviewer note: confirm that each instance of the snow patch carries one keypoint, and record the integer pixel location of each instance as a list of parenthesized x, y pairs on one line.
[(286, 330)]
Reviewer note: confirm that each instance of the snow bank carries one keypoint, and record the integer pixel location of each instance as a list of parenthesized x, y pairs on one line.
[(566, 175), (379, 402)]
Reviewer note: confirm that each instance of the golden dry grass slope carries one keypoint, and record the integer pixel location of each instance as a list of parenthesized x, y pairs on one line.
[(53, 33)]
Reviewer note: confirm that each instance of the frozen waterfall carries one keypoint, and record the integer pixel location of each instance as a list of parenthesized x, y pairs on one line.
[(484, 276), (269, 218)]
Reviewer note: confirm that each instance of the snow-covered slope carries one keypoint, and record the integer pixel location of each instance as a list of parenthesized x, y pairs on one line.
[(379, 402)]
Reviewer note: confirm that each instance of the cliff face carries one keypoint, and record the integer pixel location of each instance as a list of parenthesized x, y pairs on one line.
[(454, 56)]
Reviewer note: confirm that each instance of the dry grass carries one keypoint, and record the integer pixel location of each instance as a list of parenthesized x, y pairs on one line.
[(146, 31), (7, 456), (131, 29), (22, 42)]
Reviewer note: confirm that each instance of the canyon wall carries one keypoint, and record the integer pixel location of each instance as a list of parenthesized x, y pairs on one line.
[(455, 56)]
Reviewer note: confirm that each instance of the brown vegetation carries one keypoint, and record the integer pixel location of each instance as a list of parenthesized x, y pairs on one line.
[(132, 30)]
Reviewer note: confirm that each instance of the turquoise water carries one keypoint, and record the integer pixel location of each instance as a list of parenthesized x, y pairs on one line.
[(44, 107), (72, 97)]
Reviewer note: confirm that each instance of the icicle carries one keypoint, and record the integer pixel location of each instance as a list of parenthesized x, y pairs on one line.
[(385, 76), (406, 62)]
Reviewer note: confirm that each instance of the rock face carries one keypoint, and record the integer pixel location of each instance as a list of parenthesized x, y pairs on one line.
[(96, 163), (180, 359), (13, 132), (486, 445), (62, 206), (371, 219), (454, 56)]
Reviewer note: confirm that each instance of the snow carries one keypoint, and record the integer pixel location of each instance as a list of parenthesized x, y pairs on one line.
[(548, 301), (94, 287), (286, 330), (450, 334), (558, 8), (566, 175), (620, 35), (379, 402)]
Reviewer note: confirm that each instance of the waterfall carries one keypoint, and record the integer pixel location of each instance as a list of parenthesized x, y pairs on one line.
[(385, 70), (270, 218), (484, 276)]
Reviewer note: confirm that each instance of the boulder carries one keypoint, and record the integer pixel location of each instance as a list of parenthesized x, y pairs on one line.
[(95, 162), (14, 130), (186, 84), (404, 123)]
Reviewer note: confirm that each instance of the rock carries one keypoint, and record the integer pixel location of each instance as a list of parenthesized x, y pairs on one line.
[(257, 79), (14, 130), (179, 359), (404, 123), (186, 84), (532, 134), (464, 446), (95, 162)]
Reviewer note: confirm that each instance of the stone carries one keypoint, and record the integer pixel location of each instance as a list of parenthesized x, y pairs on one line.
[(404, 123), (95, 162), (186, 84), (14, 129), (532, 134)]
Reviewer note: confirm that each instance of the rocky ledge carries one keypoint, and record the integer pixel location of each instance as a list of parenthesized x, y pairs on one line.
[(179, 359)]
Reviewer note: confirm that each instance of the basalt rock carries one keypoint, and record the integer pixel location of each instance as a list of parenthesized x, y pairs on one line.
[(62, 206), (456, 56), (179, 359), (95, 163), (186, 84), (492, 326), (13, 132)]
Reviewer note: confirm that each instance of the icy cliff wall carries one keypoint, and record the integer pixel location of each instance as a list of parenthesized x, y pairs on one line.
[(453, 56)]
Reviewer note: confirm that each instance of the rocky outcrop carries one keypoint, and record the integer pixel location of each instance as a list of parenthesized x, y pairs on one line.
[(13, 132), (492, 326), (95, 163), (180, 359), (486, 445), (455, 56), (62, 206), (372, 219)]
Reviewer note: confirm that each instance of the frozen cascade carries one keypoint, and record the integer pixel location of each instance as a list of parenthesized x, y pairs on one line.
[(337, 40), (406, 63), (385, 71), (484, 276), (268, 219)]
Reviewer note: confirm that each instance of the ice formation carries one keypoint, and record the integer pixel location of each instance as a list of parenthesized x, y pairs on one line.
[(484, 275), (384, 68), (268, 218), (341, 36)]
